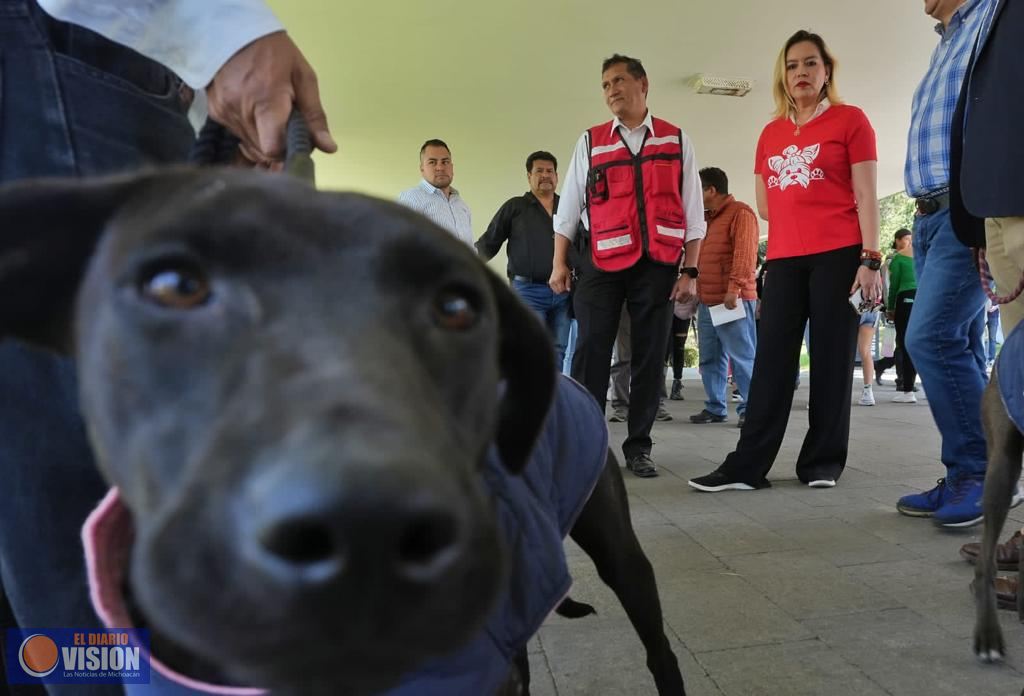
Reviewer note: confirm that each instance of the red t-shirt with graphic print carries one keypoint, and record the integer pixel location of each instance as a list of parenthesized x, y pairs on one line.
[(811, 206)]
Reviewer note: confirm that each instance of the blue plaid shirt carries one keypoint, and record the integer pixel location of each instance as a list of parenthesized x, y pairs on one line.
[(931, 116)]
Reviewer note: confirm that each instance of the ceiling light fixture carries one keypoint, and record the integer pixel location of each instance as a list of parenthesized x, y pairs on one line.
[(723, 86)]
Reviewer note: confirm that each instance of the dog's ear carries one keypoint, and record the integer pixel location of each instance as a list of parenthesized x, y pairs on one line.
[(48, 231), (528, 367)]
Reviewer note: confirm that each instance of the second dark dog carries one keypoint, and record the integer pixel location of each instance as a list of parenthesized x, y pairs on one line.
[(1003, 416)]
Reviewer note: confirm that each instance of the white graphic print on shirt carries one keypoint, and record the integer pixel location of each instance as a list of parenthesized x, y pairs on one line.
[(794, 167)]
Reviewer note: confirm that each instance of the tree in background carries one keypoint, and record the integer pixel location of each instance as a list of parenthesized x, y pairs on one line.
[(897, 211)]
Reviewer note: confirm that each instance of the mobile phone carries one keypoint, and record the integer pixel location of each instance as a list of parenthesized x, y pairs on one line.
[(860, 306)]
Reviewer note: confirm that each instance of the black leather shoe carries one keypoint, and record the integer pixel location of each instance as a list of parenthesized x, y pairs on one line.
[(642, 466), (707, 416)]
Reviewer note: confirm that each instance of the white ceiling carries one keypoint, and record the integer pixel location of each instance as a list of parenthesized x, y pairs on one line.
[(498, 80)]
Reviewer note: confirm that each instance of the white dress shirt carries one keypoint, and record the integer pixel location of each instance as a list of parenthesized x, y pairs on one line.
[(194, 38), (449, 212), (572, 206)]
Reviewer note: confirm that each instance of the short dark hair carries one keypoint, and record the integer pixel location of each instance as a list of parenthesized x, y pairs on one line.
[(713, 176), (633, 65), (540, 155), (434, 142)]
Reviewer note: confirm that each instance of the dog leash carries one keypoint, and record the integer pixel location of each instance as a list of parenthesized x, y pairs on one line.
[(216, 145), (985, 274)]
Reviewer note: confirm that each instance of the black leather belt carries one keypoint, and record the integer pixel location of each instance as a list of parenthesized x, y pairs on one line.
[(530, 279), (933, 202)]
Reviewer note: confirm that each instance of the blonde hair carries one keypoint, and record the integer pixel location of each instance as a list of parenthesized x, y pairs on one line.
[(784, 104)]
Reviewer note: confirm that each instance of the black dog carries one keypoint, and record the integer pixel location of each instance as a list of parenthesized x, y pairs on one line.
[(1001, 414), (293, 393)]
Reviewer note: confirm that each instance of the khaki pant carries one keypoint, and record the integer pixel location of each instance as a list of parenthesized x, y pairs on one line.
[(1004, 239)]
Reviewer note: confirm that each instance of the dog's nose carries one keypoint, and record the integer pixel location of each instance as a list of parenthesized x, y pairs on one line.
[(318, 538)]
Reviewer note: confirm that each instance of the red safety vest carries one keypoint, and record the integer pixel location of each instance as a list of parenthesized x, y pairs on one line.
[(634, 202)]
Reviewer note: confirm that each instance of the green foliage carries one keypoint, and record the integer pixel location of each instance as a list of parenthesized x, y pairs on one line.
[(897, 211), (690, 356)]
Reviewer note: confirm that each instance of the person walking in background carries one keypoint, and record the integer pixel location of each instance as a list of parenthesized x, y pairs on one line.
[(890, 353), (621, 370), (900, 304), (865, 335), (682, 318), (816, 185)]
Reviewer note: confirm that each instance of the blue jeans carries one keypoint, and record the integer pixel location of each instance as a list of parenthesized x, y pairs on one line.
[(944, 341), (552, 309), (992, 324), (736, 341), (570, 347), (73, 104)]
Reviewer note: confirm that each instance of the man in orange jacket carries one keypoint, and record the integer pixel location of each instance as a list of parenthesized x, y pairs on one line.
[(728, 262)]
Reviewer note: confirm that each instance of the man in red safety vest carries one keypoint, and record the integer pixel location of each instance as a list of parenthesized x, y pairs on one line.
[(633, 183)]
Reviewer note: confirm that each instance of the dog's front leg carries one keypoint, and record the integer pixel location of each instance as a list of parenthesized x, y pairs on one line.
[(605, 532), (1001, 477)]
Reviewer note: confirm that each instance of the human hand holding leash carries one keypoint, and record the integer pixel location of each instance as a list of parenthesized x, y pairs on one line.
[(253, 94)]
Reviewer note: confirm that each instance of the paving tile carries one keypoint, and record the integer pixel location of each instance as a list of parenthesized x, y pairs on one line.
[(906, 654), (804, 668), (839, 542), (805, 585), (715, 611), (604, 656)]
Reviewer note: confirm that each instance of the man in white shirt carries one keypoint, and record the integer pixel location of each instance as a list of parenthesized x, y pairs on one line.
[(91, 88), (634, 184), (435, 197)]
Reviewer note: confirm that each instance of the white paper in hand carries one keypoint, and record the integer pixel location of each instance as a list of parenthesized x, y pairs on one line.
[(720, 314)]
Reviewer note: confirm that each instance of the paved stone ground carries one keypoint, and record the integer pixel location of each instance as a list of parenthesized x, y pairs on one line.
[(789, 591)]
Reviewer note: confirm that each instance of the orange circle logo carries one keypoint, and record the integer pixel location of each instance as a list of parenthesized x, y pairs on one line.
[(38, 655)]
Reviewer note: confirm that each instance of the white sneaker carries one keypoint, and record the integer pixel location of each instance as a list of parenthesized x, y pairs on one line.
[(904, 398), (867, 397), (822, 483)]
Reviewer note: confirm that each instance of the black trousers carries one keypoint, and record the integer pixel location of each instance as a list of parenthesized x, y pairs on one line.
[(908, 373), (815, 287), (645, 288), (676, 352)]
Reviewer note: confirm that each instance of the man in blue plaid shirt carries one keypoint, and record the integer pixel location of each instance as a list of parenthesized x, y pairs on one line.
[(944, 335)]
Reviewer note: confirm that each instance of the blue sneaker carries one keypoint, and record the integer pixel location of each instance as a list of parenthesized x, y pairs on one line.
[(963, 506), (924, 504)]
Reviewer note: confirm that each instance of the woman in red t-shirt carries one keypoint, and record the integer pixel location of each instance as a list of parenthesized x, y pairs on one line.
[(816, 186)]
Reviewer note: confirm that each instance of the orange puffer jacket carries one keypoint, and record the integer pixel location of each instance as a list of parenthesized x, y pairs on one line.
[(728, 255)]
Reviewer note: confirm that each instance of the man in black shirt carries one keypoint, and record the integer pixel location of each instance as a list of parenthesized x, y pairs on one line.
[(525, 221)]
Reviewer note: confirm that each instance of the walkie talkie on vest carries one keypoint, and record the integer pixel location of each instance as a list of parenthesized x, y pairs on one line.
[(598, 185)]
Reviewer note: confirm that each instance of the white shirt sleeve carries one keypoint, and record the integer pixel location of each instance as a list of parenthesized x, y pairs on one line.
[(572, 201), (693, 195), (194, 38)]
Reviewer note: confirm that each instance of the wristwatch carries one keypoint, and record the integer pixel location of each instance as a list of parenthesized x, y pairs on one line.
[(873, 264), (689, 271)]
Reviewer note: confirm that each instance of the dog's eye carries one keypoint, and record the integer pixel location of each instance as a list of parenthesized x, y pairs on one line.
[(455, 310), (176, 288)]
